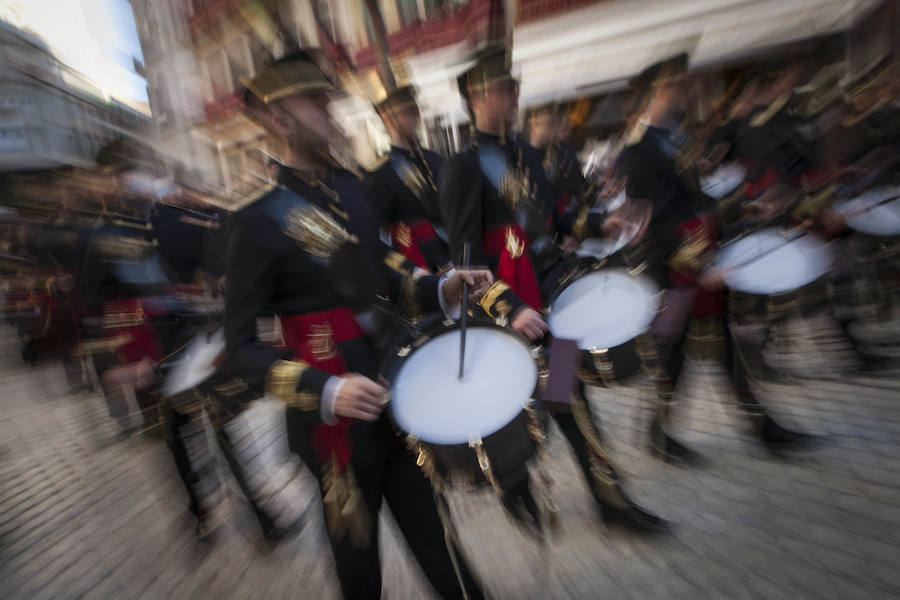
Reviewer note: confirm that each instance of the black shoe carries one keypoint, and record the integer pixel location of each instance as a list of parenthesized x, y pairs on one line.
[(776, 437), (521, 505), (668, 449), (634, 518)]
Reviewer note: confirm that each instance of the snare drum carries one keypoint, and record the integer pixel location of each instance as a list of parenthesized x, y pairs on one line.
[(477, 427), (604, 310), (723, 181), (193, 366), (873, 212), (770, 274)]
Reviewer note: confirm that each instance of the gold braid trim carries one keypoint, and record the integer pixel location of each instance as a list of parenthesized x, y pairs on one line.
[(345, 510), (396, 262), (605, 483), (693, 253), (812, 205), (489, 302), (282, 381), (579, 227), (410, 287)]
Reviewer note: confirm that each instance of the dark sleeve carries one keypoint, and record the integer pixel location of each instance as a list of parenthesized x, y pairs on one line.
[(251, 274), (380, 196), (646, 179), (460, 201), (460, 204), (416, 290)]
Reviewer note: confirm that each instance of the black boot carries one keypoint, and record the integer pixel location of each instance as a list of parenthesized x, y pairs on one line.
[(668, 449), (616, 508), (519, 502), (776, 437)]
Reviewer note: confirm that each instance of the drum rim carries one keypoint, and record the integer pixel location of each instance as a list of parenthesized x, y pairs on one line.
[(601, 268), (777, 231), (394, 363)]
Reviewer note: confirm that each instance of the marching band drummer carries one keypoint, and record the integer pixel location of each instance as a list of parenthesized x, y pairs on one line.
[(486, 192), (682, 237), (310, 248), (404, 187)]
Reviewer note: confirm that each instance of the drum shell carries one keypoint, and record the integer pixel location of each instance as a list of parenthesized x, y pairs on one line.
[(610, 364), (507, 449), (188, 402), (809, 298)]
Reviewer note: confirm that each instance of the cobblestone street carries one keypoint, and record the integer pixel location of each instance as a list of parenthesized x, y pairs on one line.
[(86, 514)]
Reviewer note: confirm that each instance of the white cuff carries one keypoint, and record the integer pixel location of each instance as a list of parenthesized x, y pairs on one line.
[(453, 311), (329, 398)]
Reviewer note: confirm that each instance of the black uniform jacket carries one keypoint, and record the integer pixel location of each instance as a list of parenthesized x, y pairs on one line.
[(271, 268)]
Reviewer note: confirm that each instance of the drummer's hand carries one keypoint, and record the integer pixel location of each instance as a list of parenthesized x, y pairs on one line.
[(612, 226), (712, 278), (478, 280), (832, 221), (569, 244), (359, 398), (529, 323), (143, 373)]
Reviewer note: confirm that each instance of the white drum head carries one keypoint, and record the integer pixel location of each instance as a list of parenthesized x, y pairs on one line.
[(429, 402), (195, 364), (723, 180), (598, 248), (604, 309), (882, 220), (786, 267)]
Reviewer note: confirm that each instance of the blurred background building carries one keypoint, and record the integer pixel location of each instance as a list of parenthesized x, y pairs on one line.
[(196, 51), (51, 115)]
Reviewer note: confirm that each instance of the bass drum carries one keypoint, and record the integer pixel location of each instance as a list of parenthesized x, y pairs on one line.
[(477, 427)]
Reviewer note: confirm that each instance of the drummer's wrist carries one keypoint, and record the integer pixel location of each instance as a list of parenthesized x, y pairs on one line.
[(452, 308), (330, 394)]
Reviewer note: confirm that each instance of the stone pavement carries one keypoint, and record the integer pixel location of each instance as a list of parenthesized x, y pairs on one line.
[(84, 514)]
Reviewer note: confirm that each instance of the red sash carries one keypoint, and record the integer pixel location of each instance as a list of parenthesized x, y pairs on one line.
[(514, 265), (707, 303), (755, 187), (314, 338), (127, 317), (408, 236)]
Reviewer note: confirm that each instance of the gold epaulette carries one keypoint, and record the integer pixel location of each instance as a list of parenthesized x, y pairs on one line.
[(494, 305), (694, 253), (283, 380), (245, 200), (764, 117)]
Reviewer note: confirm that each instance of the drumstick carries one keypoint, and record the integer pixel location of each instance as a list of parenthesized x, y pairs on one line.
[(464, 315), (860, 211), (791, 238)]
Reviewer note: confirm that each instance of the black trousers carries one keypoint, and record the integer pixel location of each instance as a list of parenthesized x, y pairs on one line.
[(386, 470), (737, 353), (176, 423)]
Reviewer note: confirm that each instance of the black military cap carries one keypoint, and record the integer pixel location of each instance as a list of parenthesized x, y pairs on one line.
[(397, 99), (664, 71), (302, 72), (557, 108), (492, 66)]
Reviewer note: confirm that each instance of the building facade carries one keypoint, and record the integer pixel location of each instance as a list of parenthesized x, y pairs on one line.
[(50, 115)]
